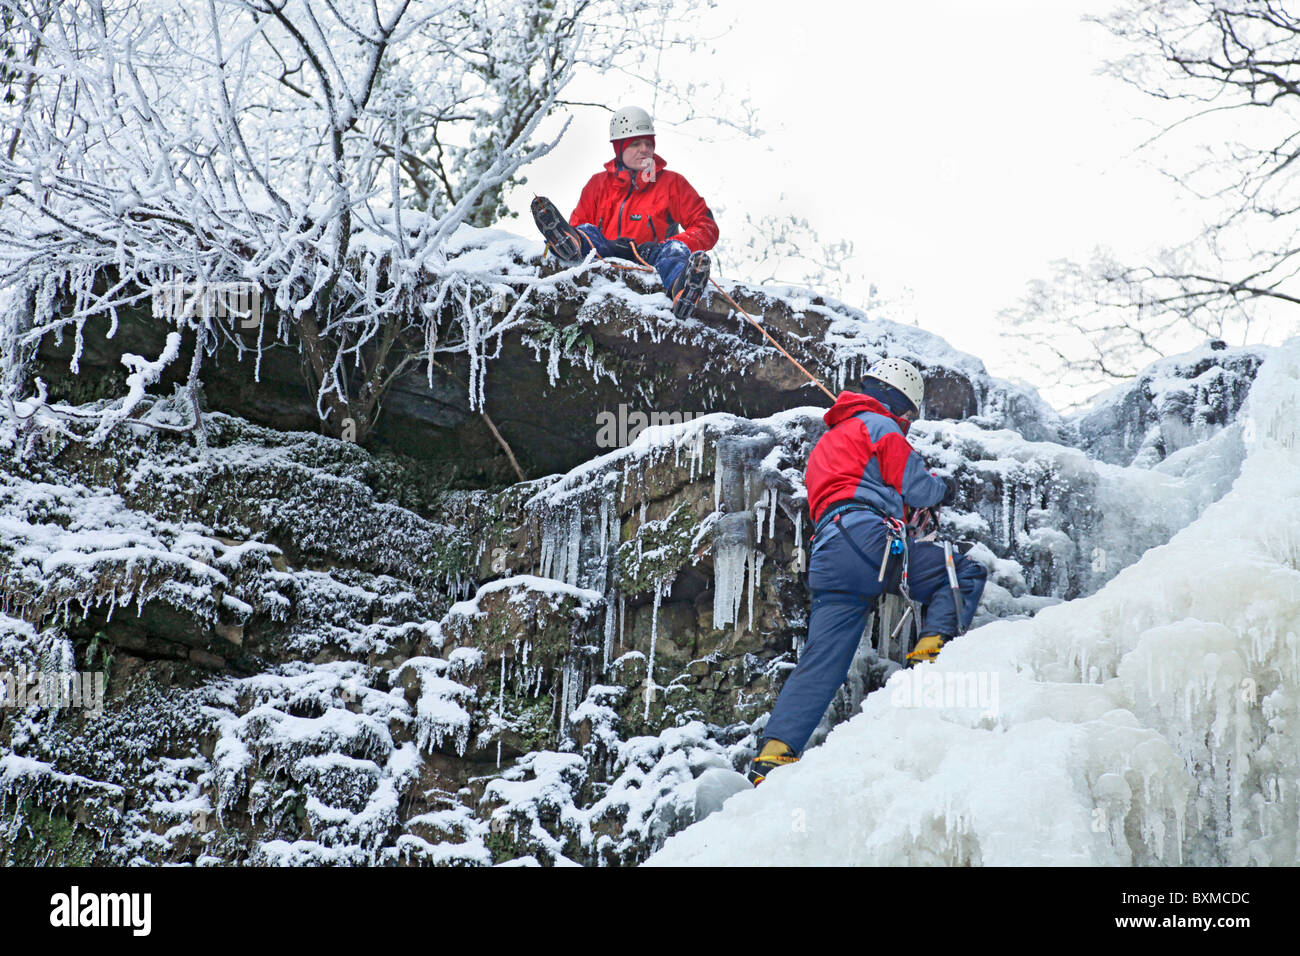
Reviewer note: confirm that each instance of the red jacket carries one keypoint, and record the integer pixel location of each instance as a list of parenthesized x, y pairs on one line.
[(865, 457), (646, 212)]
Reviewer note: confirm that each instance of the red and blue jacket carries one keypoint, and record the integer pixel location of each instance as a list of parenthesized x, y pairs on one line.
[(866, 458), (623, 207)]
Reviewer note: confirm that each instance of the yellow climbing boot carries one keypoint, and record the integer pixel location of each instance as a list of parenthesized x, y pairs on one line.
[(927, 649), (773, 754)]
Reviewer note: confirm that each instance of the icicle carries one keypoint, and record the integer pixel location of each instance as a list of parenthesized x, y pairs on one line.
[(472, 353), (565, 705), (1006, 513), (717, 477), (553, 364), (574, 543), (755, 568), (611, 623), (550, 539), (604, 527), (733, 543), (771, 515), (650, 668), (501, 706)]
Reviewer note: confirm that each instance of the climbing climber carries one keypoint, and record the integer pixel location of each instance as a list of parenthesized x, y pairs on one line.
[(862, 476), (639, 210)]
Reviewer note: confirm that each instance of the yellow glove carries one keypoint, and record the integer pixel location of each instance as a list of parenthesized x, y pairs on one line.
[(927, 649)]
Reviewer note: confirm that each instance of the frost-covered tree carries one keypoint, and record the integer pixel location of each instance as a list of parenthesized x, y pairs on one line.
[(786, 250), (1226, 74), (307, 161)]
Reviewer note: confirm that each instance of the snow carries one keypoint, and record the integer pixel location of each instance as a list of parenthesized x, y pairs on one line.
[(523, 585), (15, 769), (1054, 523), (1172, 404), (440, 714), (1150, 723), (658, 784)]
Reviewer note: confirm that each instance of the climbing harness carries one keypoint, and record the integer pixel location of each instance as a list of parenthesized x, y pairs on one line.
[(894, 562)]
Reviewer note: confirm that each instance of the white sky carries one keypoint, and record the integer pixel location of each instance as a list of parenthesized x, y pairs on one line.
[(960, 146)]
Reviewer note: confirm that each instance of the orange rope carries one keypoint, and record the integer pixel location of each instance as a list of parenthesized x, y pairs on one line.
[(646, 267), (813, 378)]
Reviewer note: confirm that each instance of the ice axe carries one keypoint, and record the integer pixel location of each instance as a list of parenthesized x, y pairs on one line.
[(952, 582)]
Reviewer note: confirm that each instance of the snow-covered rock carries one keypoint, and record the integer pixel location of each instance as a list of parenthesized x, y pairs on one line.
[(1172, 404)]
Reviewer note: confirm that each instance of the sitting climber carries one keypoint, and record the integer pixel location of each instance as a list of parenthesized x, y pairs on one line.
[(638, 210), (860, 476)]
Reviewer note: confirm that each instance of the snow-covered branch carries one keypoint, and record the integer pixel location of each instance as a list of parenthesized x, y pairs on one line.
[(317, 159)]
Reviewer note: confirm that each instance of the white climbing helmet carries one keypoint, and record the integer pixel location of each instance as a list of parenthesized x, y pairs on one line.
[(630, 121), (903, 376)]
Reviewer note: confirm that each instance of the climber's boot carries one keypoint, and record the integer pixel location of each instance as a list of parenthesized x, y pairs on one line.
[(689, 285), (927, 649), (567, 243), (773, 754)]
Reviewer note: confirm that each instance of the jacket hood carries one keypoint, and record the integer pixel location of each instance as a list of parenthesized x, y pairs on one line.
[(849, 404), (618, 171)]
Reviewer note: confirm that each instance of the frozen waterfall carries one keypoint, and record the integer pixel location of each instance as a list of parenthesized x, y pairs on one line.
[(1153, 722)]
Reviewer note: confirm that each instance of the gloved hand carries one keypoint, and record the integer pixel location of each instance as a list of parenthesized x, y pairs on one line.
[(649, 251), (635, 251), (924, 523), (622, 249), (950, 495), (926, 650)]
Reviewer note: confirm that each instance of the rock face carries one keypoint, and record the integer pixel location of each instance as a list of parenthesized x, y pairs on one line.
[(1174, 403), (602, 344), (319, 653)]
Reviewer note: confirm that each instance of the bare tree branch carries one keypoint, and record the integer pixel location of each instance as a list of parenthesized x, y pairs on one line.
[(321, 157), (1218, 57)]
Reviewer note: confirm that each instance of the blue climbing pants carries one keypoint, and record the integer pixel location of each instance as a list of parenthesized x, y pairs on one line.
[(844, 588), (668, 258)]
